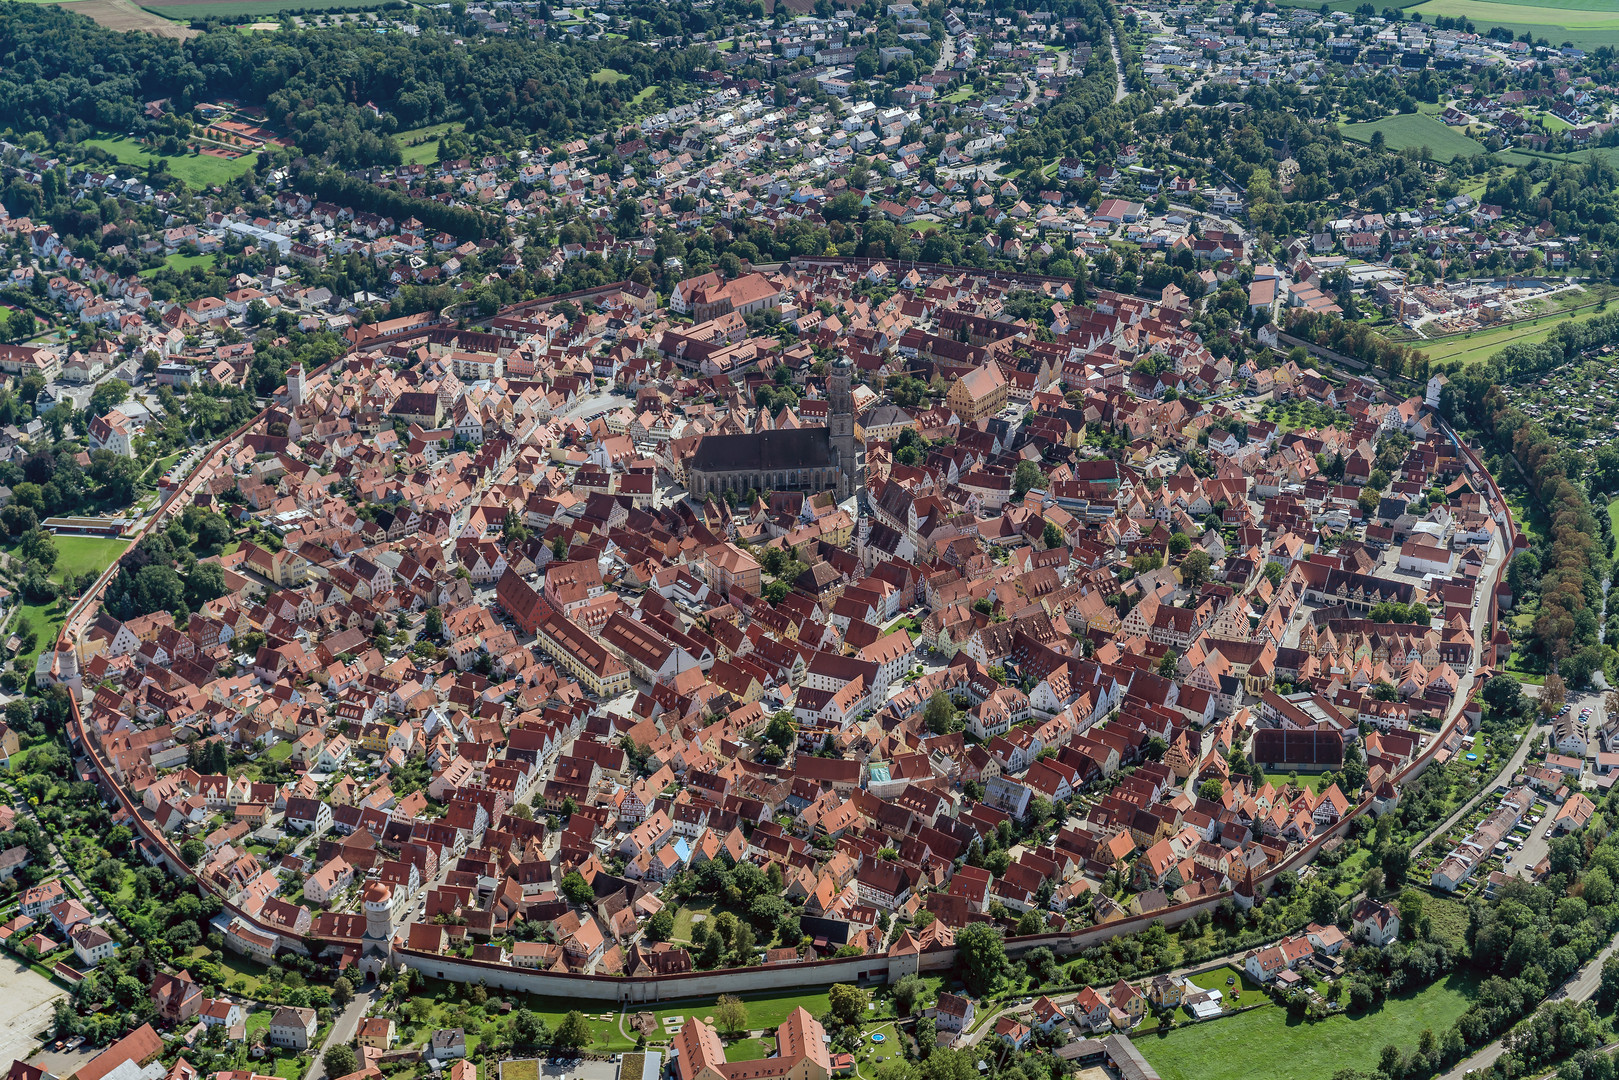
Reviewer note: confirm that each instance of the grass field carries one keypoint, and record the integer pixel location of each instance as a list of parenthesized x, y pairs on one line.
[(1590, 23), (77, 554), (684, 919), (644, 95), (1216, 980), (425, 152), (1265, 1042), (607, 77), (1481, 344), (45, 621), (180, 261), (749, 1050), (74, 555), (198, 170), (1412, 130)]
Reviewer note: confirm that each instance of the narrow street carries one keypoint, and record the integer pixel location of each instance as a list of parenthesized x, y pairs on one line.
[(1119, 90), (343, 1029)]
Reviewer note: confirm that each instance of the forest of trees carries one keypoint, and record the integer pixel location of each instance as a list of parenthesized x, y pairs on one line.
[(1574, 558), (68, 77)]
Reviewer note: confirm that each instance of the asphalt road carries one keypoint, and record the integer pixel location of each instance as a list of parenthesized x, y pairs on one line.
[(342, 1031), (1581, 987)]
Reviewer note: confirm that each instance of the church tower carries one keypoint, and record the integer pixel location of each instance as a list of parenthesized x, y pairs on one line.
[(840, 424)]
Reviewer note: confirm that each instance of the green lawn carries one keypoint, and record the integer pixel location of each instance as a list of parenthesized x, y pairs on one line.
[(749, 1050), (77, 555), (1216, 980), (607, 77), (874, 1056), (1266, 1042), (1450, 918), (645, 95), (425, 154), (426, 150), (258, 1020), (281, 751), (198, 170), (1410, 130), (181, 261), (125, 893), (685, 917), (431, 131), (45, 621)]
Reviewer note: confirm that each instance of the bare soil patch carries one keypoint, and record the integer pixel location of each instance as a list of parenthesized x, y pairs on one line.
[(125, 15)]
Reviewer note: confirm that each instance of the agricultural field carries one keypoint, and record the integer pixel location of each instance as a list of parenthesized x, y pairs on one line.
[(125, 15), (1415, 130), (1590, 23), (186, 10), (198, 170)]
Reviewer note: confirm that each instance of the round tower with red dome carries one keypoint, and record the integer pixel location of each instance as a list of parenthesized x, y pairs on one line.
[(378, 901)]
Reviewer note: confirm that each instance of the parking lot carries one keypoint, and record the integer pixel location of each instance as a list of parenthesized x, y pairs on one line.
[(30, 999)]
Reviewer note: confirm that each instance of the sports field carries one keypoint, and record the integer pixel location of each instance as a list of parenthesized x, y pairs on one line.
[(198, 170), (1413, 130), (1586, 23)]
